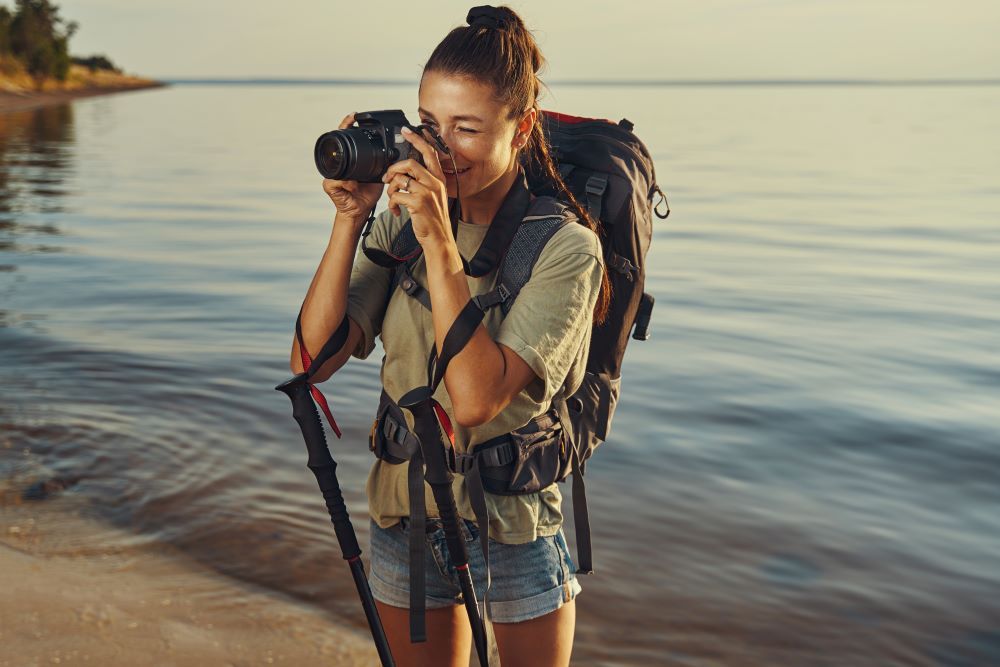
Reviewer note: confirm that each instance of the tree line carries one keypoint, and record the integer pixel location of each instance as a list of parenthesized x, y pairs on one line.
[(37, 36)]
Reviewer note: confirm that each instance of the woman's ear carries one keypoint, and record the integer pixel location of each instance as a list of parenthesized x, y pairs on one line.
[(524, 127)]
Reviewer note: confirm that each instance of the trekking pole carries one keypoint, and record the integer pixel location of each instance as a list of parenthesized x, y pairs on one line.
[(428, 431), (325, 468)]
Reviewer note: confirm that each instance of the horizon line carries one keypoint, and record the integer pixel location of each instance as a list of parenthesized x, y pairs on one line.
[(299, 81)]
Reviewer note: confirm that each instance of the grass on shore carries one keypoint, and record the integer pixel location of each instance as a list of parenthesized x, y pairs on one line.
[(14, 79)]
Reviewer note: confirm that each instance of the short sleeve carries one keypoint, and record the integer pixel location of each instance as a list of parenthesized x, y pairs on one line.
[(551, 317), (367, 295)]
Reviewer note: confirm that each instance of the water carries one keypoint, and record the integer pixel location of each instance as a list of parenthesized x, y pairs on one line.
[(802, 469)]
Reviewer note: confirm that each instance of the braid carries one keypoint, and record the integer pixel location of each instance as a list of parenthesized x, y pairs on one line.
[(537, 150)]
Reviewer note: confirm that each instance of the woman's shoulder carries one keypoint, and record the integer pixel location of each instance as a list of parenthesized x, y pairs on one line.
[(572, 239)]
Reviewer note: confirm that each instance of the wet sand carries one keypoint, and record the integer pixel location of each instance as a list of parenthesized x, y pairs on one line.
[(68, 601)]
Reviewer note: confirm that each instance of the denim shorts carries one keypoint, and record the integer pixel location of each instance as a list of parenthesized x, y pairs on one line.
[(526, 580)]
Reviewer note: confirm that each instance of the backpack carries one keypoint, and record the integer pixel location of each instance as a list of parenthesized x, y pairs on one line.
[(609, 171)]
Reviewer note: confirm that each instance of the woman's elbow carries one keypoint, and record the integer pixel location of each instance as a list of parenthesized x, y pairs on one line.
[(472, 411)]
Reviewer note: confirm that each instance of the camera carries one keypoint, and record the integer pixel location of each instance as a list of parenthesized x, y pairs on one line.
[(363, 153)]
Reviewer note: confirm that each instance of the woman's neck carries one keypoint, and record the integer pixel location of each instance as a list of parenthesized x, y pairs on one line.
[(480, 208)]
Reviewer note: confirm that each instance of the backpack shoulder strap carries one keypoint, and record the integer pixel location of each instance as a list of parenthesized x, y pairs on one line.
[(404, 245), (545, 217)]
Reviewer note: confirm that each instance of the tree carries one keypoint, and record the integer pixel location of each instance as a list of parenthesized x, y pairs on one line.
[(40, 39), (5, 18)]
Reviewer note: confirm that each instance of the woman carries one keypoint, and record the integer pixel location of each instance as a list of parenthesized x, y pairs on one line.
[(479, 93)]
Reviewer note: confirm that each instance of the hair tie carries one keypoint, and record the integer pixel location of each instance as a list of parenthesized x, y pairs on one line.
[(486, 16)]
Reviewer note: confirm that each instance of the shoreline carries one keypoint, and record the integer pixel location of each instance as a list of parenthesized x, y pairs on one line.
[(27, 100)]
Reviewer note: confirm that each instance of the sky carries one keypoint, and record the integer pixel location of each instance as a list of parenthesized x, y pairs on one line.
[(582, 39)]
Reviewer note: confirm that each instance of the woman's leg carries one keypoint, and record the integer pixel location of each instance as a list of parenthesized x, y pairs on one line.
[(449, 637), (546, 641)]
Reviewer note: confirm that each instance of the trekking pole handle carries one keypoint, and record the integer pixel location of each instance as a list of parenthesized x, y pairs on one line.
[(438, 475), (321, 462), (420, 404)]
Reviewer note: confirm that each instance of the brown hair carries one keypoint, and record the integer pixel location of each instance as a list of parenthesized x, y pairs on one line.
[(499, 51)]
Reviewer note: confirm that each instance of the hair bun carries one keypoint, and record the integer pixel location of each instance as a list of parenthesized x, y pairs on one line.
[(487, 16)]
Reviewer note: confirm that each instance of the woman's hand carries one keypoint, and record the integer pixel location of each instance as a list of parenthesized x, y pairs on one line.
[(353, 199), (422, 190)]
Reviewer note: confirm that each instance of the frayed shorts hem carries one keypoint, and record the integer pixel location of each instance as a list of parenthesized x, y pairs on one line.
[(531, 579), (513, 611)]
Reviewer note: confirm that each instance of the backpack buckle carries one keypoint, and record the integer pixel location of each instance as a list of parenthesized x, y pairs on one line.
[(492, 298), (596, 185), (463, 463)]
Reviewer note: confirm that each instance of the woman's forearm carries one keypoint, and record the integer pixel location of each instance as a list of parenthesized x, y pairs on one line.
[(325, 302), (482, 378)]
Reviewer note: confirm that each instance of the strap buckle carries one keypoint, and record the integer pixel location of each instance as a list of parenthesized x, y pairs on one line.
[(596, 185), (464, 463), (492, 298)]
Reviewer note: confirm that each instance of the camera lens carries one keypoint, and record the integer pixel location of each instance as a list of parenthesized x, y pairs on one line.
[(354, 154), (331, 155)]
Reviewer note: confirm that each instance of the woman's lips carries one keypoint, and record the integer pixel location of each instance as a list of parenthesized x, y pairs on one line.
[(449, 172)]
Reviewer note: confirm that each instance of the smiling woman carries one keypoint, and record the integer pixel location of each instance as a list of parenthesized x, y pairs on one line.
[(479, 94)]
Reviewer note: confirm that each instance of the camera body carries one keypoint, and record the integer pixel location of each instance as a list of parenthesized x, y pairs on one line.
[(363, 153)]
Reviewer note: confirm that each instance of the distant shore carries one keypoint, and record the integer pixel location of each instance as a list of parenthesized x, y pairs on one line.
[(19, 93)]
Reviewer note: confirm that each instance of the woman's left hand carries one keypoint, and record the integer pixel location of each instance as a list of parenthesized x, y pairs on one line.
[(422, 190)]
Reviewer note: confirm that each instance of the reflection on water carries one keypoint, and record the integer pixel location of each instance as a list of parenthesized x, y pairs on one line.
[(35, 160), (802, 468)]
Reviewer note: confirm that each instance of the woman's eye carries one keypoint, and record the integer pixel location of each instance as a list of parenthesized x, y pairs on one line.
[(468, 129)]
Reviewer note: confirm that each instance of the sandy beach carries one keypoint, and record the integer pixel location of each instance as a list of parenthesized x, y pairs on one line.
[(66, 600)]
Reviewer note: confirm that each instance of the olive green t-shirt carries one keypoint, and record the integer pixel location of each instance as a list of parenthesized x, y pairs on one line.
[(548, 326)]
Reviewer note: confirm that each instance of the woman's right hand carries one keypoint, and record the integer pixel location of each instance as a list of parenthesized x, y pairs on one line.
[(353, 199)]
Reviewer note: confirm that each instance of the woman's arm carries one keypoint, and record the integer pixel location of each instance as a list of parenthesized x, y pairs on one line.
[(485, 376), (326, 300)]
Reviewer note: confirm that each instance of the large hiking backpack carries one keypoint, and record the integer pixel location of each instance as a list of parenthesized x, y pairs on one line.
[(610, 171)]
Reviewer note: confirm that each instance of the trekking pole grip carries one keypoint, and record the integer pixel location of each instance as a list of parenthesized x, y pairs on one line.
[(335, 505)]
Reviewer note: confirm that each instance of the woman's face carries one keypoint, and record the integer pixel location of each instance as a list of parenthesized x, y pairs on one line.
[(475, 127)]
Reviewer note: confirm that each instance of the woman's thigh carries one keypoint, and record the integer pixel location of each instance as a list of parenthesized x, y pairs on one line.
[(545, 640), (449, 637)]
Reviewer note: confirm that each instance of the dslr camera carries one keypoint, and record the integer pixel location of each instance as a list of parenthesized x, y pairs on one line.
[(363, 153)]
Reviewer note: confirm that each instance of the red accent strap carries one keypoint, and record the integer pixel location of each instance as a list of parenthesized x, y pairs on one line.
[(573, 120), (445, 422), (316, 393)]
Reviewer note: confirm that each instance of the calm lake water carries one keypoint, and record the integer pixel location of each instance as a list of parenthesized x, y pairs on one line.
[(804, 466)]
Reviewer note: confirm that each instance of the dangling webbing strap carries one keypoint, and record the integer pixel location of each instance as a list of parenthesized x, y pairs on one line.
[(333, 345)]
